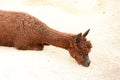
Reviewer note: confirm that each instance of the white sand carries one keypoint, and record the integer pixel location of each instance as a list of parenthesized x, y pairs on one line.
[(54, 63)]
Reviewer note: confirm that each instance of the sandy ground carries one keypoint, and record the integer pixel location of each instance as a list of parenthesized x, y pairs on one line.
[(103, 18)]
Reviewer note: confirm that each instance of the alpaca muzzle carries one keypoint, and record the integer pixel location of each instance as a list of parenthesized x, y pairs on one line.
[(86, 61)]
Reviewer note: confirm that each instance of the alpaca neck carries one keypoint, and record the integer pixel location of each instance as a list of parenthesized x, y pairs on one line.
[(61, 40), (58, 39)]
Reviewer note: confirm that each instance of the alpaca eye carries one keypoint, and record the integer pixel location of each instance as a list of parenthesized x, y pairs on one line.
[(80, 52), (85, 46)]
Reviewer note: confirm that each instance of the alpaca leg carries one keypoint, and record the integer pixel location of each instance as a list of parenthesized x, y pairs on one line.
[(46, 44), (36, 47), (27, 46), (21, 46)]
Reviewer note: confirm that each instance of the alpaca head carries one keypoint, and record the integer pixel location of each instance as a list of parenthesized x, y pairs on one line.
[(79, 49)]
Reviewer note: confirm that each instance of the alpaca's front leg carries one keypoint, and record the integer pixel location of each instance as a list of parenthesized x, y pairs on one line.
[(23, 44), (28, 47)]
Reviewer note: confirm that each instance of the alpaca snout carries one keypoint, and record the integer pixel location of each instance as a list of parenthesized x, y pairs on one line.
[(86, 61)]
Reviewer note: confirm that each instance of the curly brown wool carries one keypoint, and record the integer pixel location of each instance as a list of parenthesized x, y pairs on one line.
[(25, 32)]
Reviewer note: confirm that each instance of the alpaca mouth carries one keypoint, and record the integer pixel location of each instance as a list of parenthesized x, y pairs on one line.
[(86, 61)]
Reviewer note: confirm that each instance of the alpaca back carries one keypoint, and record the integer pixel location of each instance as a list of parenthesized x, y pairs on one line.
[(18, 25)]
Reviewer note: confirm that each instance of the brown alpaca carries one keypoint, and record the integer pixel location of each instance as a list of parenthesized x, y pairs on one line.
[(25, 32)]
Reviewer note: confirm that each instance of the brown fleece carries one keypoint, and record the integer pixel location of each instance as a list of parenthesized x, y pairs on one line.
[(25, 32)]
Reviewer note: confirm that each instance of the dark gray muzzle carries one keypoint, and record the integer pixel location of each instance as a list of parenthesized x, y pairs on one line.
[(86, 61)]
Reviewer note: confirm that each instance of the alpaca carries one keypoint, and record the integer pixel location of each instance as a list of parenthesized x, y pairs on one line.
[(25, 32)]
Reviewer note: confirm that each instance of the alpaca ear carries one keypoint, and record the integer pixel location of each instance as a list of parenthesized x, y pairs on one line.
[(77, 38), (86, 33)]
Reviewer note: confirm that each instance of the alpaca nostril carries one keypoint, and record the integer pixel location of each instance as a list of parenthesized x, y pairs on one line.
[(86, 63)]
